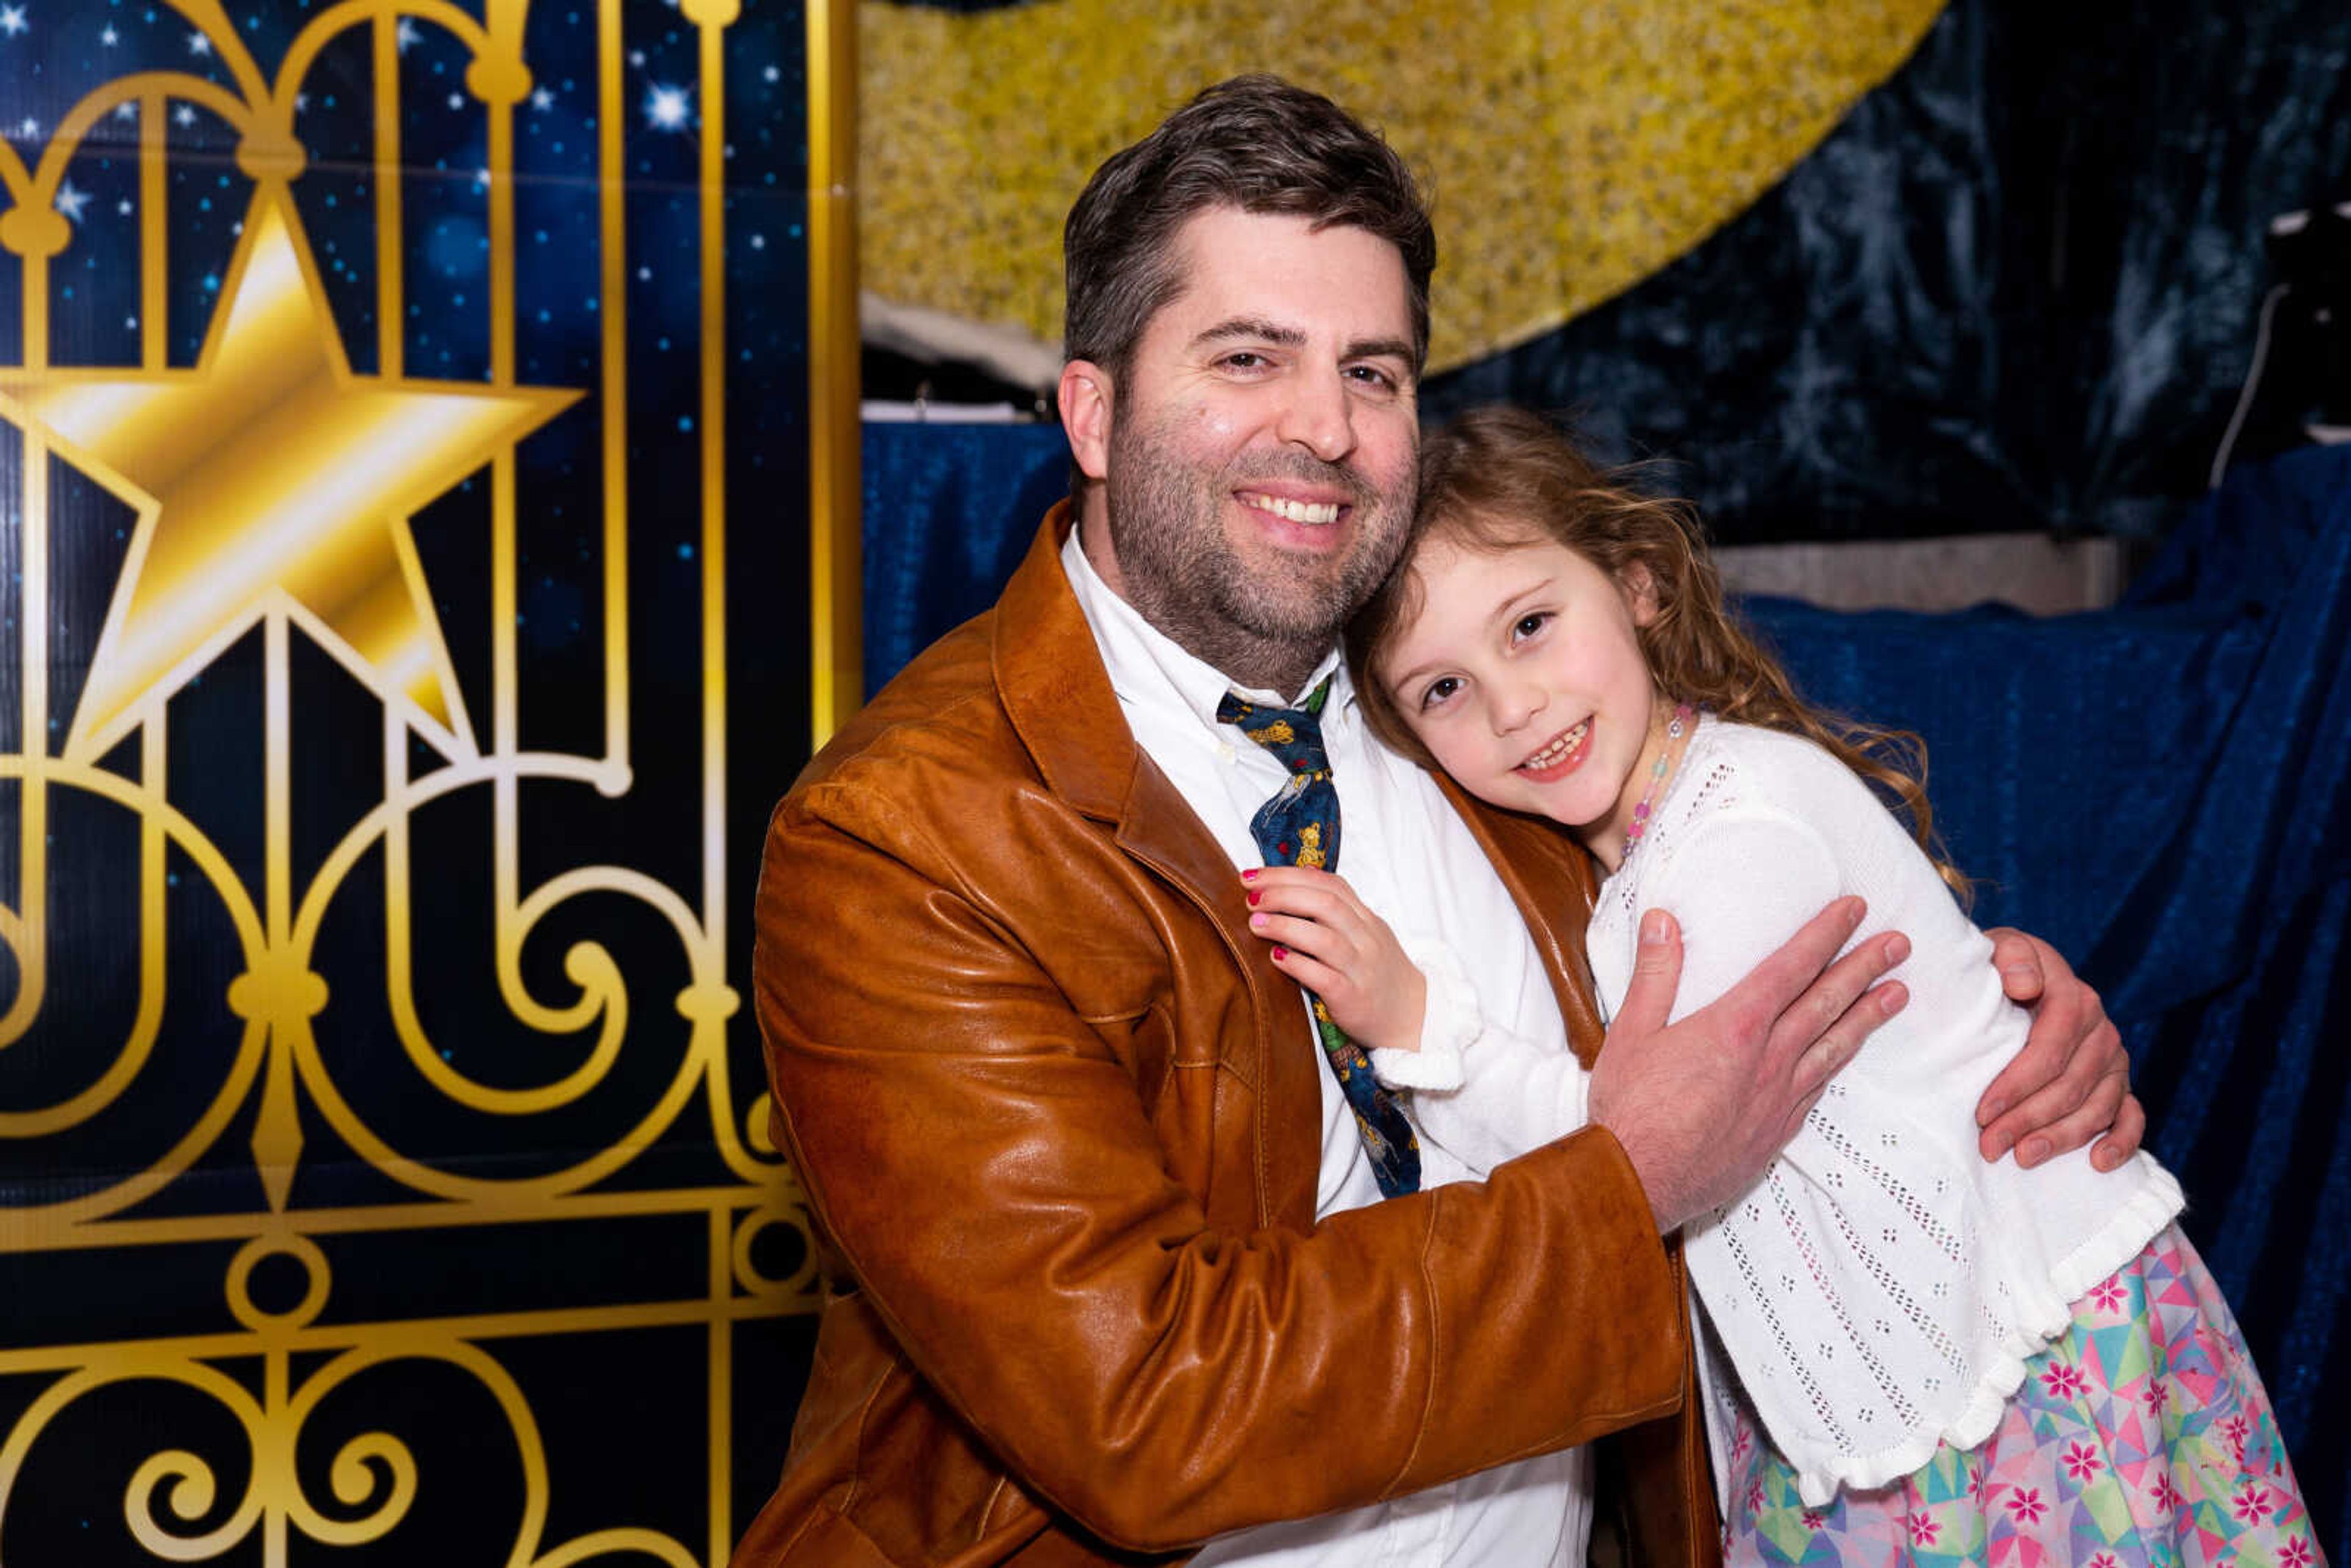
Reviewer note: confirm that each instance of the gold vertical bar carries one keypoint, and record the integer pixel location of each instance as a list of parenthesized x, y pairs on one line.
[(613, 306), (719, 1367), (154, 274), (277, 784), (33, 614), (33, 741), (389, 287), (275, 1396), (721, 1381), (502, 248), (837, 661), (712, 423)]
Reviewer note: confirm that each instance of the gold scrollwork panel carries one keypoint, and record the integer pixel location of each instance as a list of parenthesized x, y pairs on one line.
[(382, 1153)]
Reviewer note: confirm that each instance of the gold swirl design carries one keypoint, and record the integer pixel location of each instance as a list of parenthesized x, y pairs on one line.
[(1574, 147), (275, 399)]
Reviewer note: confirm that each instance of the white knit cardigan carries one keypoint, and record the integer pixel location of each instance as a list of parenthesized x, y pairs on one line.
[(1879, 1287)]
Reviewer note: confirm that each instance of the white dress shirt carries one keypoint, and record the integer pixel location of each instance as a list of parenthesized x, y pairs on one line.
[(1411, 859)]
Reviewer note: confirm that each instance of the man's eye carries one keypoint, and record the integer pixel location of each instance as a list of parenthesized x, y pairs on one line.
[(1244, 360), (1373, 375)]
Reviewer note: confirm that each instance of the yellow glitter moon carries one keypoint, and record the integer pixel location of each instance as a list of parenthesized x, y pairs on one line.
[(1573, 146)]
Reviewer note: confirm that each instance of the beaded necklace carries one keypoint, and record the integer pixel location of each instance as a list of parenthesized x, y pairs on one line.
[(1684, 717)]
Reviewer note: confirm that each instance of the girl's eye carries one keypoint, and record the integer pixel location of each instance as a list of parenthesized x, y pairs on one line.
[(1440, 689), (1529, 624)]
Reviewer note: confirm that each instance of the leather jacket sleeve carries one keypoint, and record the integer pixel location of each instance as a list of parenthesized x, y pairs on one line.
[(1014, 1180)]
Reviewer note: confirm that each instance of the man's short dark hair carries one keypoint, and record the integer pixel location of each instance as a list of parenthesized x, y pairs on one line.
[(1257, 143)]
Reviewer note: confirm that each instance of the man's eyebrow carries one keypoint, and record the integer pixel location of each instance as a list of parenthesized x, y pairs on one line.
[(1380, 348), (1253, 327)]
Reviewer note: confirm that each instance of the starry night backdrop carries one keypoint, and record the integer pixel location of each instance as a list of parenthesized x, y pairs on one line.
[(645, 1320)]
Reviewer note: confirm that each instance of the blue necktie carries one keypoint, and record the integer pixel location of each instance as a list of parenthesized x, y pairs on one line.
[(1300, 826)]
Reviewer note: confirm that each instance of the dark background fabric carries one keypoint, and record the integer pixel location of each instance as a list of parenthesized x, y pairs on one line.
[(2159, 789), (2017, 288)]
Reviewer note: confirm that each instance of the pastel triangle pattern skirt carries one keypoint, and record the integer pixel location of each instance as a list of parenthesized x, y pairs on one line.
[(2141, 1438)]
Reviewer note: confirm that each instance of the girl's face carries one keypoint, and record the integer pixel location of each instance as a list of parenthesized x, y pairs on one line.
[(1523, 675)]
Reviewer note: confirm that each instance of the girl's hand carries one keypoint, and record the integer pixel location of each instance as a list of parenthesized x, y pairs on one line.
[(1327, 940)]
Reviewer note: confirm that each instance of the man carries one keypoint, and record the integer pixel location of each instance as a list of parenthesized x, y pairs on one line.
[(1112, 1272)]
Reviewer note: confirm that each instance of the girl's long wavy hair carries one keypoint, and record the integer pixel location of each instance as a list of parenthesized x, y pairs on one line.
[(1501, 478)]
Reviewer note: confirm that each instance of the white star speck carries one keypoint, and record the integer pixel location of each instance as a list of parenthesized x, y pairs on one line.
[(405, 35), (456, 101), (30, 128), (126, 111), (72, 201), (542, 99), (109, 38), (184, 115), (123, 207), (199, 45), (12, 20), (666, 108), (772, 74)]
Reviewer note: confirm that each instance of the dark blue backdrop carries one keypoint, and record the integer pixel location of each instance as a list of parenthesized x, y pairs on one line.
[(2159, 789)]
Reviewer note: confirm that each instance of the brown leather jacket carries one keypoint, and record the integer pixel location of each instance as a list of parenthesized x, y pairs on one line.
[(1059, 1119)]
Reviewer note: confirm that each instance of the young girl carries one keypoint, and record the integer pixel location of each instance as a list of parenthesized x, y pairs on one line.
[(1911, 1354)]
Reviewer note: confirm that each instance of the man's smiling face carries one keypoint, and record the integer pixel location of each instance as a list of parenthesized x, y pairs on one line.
[(1258, 458)]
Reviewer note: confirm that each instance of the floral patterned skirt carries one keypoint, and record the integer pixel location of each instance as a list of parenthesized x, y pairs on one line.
[(2143, 1435)]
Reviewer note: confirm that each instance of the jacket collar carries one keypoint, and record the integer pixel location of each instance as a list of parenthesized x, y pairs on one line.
[(1050, 678)]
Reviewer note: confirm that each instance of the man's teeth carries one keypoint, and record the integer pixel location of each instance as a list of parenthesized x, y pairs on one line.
[(1560, 747), (1295, 511)]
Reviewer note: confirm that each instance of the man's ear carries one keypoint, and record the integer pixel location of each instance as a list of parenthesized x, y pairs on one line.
[(1640, 593), (1084, 400)]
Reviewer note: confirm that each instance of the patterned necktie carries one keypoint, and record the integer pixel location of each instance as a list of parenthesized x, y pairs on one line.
[(1300, 826)]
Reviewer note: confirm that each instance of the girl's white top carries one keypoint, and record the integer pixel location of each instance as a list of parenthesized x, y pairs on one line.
[(1879, 1287)]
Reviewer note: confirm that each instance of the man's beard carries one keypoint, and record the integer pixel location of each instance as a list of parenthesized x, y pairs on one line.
[(1181, 572)]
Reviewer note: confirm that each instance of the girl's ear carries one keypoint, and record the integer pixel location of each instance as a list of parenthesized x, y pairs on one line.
[(1084, 400), (1640, 593)]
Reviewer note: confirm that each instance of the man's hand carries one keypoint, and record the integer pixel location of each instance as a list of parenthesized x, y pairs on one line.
[(1329, 941), (1703, 1106), (2070, 1083)]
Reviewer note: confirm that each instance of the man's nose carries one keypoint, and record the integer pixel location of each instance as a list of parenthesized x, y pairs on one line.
[(1319, 415)]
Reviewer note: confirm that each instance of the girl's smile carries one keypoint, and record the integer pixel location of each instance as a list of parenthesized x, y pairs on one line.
[(1561, 758), (1522, 674)]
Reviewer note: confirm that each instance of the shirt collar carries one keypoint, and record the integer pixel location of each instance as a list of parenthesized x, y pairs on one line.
[(1145, 665)]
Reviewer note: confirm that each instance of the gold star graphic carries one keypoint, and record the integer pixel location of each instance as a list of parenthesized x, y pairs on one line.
[(269, 476)]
